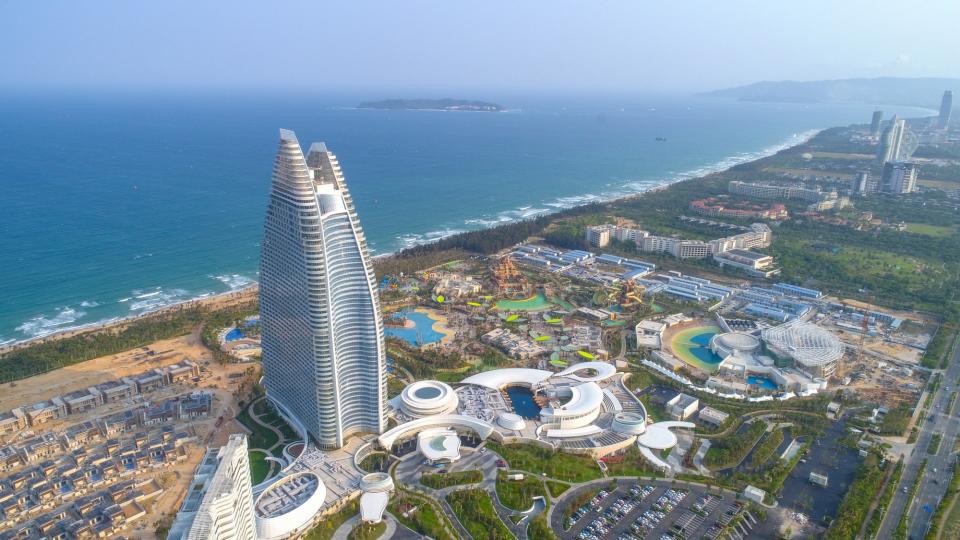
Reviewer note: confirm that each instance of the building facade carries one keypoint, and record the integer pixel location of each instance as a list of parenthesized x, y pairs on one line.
[(899, 177), (875, 123), (946, 107), (891, 142), (219, 503), (322, 330)]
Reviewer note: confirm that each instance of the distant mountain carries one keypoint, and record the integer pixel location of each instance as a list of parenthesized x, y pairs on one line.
[(918, 92), (433, 105)]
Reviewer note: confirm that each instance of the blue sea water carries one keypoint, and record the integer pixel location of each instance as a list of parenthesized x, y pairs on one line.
[(114, 205)]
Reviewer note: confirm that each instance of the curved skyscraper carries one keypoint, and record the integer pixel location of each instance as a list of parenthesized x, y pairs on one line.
[(322, 332)]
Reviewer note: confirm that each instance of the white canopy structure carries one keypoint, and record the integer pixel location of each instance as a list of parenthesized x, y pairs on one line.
[(603, 369), (439, 445), (581, 408), (498, 378), (481, 428)]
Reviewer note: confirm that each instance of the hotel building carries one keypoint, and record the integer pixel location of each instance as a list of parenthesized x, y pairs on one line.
[(322, 331)]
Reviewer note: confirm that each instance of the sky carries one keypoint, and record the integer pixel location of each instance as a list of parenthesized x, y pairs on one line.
[(572, 46)]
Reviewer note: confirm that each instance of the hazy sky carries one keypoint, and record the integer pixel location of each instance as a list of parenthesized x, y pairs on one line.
[(604, 46)]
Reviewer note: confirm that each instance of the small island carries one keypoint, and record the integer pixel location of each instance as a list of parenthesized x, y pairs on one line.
[(433, 105)]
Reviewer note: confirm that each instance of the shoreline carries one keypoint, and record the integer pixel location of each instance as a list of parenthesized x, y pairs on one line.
[(725, 164)]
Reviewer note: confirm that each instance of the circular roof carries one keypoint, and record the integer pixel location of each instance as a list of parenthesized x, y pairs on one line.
[(805, 342), (288, 504), (427, 392), (377, 481), (427, 398), (740, 341)]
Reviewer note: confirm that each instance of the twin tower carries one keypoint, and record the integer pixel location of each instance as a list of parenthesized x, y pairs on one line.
[(322, 330)]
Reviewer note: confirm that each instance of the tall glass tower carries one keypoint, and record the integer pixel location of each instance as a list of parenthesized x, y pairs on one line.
[(322, 331)]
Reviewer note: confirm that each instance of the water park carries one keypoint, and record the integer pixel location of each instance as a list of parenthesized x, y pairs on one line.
[(692, 345), (418, 327)]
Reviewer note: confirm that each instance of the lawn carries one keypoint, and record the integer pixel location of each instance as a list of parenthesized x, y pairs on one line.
[(631, 463), (556, 488), (929, 230), (325, 529), (427, 520), (440, 481), (259, 466), (539, 529), (519, 494), (569, 467), (365, 531), (474, 509), (262, 437)]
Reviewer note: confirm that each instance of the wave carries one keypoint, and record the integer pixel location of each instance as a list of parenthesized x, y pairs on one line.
[(235, 281), (618, 191), (42, 325), (158, 299), (89, 304)]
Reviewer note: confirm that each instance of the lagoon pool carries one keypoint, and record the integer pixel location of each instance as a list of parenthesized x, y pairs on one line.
[(537, 302), (693, 347), (422, 332)]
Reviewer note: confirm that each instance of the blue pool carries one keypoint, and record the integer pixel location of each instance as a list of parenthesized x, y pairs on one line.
[(233, 335), (762, 382), (422, 332), (523, 403)]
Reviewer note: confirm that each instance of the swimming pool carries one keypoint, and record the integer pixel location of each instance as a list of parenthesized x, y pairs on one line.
[(537, 302), (762, 382), (523, 403), (693, 347), (233, 335), (422, 332)]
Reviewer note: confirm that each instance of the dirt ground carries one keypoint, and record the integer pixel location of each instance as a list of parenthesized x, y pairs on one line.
[(213, 430)]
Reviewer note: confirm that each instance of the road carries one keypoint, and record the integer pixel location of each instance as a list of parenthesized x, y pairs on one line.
[(933, 485)]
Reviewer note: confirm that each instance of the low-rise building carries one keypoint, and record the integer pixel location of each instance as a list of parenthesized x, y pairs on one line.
[(682, 406), (712, 416)]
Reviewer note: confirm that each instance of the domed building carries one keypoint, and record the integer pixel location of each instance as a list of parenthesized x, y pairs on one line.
[(426, 398)]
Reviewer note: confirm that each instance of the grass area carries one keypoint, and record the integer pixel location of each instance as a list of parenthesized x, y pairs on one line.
[(539, 529), (422, 516), (394, 386), (929, 230), (630, 463), (474, 508), (569, 467), (440, 481), (934, 445), (728, 451), (367, 531), (259, 466), (877, 518), (556, 488), (519, 494), (325, 529), (766, 448), (262, 436)]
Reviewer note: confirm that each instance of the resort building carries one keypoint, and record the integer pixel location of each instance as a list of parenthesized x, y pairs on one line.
[(322, 330), (714, 417), (891, 141), (219, 503), (682, 406), (753, 263), (898, 177), (814, 350)]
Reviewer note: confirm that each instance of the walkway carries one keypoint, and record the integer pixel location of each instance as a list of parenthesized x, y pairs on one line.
[(343, 531)]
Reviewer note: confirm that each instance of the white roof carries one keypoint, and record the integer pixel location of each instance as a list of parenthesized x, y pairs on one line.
[(483, 429), (439, 443), (585, 398), (372, 505), (651, 326), (658, 436), (603, 369), (498, 378)]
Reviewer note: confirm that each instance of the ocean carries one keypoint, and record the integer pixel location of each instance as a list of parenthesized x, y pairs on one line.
[(114, 205)]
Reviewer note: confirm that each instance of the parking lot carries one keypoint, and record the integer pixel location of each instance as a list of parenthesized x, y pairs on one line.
[(652, 509)]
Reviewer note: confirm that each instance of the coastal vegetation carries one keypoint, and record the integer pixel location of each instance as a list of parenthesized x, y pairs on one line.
[(730, 450), (367, 531), (474, 508), (329, 525), (43, 356)]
